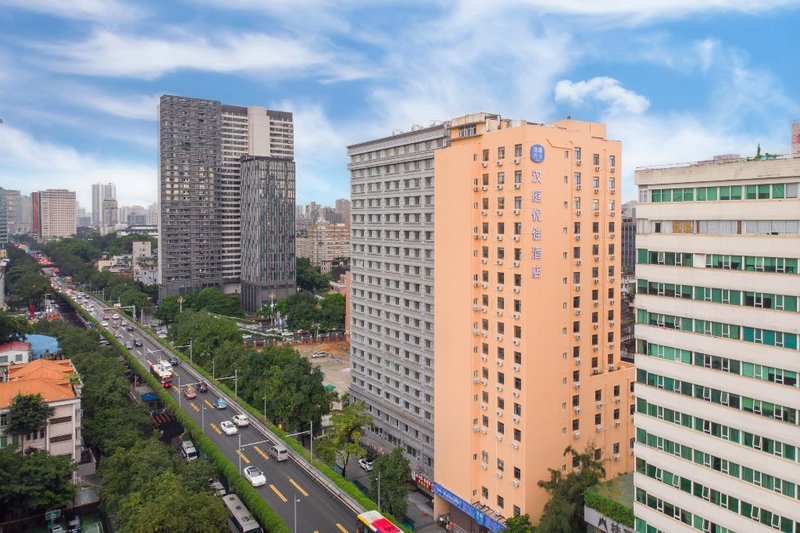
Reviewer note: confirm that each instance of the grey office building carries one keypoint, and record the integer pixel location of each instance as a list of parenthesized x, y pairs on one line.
[(392, 288), (628, 237), (202, 143), (268, 230), (3, 220)]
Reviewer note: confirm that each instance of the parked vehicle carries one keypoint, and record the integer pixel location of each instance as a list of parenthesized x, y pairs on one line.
[(216, 487), (365, 464), (188, 451)]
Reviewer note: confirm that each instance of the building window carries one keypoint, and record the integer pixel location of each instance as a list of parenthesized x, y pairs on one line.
[(500, 502)]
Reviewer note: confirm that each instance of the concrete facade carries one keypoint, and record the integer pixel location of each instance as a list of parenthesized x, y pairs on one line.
[(54, 214), (527, 273), (717, 328), (391, 333), (101, 192), (205, 208), (324, 243), (268, 232)]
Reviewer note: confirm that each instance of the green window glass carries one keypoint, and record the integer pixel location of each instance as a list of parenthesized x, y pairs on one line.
[(736, 297), (666, 195), (655, 196), (688, 195), (751, 192), (677, 195), (712, 193), (790, 341), (725, 193), (736, 192), (763, 192), (686, 260), (779, 191), (790, 266), (701, 194), (641, 256)]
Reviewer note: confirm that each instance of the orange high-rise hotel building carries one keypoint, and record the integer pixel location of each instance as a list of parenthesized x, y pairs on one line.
[(527, 314)]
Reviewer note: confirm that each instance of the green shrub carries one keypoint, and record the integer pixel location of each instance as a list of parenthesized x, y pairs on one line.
[(612, 509)]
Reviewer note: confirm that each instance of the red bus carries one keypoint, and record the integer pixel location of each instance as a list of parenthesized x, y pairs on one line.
[(163, 376), (374, 522)]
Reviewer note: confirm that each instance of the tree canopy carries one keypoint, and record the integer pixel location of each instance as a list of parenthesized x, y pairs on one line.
[(343, 438), (394, 472), (564, 512), (309, 277), (13, 328), (304, 310), (33, 481), (27, 414), (209, 299)]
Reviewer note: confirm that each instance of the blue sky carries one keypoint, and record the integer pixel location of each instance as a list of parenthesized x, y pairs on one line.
[(676, 80)]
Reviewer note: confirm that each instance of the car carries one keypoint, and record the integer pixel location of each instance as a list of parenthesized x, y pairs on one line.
[(241, 420), (104, 323), (255, 476), (216, 487), (189, 392), (129, 345), (219, 403), (104, 342), (115, 316), (202, 387), (173, 360), (123, 323), (117, 335), (137, 342), (115, 325), (129, 328), (106, 317), (228, 427), (162, 335), (319, 354), (365, 464)]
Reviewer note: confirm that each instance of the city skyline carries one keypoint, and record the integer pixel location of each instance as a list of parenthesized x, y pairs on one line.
[(674, 82)]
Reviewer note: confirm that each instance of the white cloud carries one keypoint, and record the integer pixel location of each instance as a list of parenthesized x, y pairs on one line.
[(603, 89), (136, 106), (29, 163), (105, 11), (132, 56)]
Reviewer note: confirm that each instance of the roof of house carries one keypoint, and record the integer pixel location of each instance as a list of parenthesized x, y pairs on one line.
[(15, 346), (50, 379)]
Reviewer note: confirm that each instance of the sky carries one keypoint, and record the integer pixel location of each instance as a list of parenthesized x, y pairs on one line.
[(674, 80)]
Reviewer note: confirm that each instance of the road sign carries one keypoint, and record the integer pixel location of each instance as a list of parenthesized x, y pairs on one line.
[(52, 515)]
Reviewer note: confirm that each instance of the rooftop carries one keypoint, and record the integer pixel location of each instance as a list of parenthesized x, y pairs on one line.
[(50, 379), (618, 489), (15, 346)]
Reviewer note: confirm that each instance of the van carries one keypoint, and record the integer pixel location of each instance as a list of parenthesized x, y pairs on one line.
[(188, 450), (279, 452)]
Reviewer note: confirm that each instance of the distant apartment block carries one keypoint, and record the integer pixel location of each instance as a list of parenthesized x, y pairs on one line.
[(324, 243), (54, 214), (145, 264), (628, 237), (268, 232), (391, 333), (3, 220), (54, 381), (12, 208), (527, 288), (343, 209), (717, 340), (201, 146), (101, 192)]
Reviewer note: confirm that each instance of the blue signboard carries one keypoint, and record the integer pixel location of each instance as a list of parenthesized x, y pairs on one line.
[(537, 153), (473, 512)]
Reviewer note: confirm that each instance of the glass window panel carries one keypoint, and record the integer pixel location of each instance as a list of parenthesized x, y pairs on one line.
[(778, 190), (736, 192), (725, 193), (763, 192), (751, 191), (688, 195), (701, 194), (712, 193)]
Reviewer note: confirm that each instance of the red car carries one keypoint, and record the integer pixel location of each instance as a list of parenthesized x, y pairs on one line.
[(189, 392)]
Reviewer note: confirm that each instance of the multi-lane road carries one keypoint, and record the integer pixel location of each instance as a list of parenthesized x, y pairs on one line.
[(292, 488)]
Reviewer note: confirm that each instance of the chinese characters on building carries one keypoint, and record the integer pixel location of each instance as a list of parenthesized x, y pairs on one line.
[(536, 219)]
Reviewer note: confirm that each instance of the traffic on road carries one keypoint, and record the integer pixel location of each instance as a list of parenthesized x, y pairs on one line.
[(286, 485)]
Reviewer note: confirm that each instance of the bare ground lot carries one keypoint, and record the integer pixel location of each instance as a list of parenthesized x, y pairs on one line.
[(335, 367)]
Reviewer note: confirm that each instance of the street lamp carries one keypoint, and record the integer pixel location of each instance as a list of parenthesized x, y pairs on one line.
[(179, 389), (296, 499), (180, 303), (191, 357), (203, 418)]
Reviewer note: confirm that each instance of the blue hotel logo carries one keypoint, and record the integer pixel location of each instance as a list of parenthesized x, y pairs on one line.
[(537, 153)]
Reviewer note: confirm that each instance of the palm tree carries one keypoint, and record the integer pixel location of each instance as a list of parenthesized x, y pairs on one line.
[(27, 414)]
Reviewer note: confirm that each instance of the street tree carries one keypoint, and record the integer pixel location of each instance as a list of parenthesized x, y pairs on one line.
[(165, 503), (309, 277), (564, 511), (27, 414), (394, 473), (343, 438), (33, 481), (519, 524), (12, 328)]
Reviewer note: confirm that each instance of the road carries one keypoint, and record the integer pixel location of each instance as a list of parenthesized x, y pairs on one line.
[(317, 509)]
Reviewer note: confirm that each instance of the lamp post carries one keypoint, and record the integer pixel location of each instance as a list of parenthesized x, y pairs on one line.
[(296, 499), (272, 308), (179, 389), (203, 418), (379, 491), (180, 301), (191, 355), (265, 409)]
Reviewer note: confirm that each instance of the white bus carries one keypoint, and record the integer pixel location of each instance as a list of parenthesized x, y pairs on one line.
[(239, 518)]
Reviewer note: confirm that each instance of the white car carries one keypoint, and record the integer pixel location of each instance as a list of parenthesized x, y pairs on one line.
[(115, 316), (255, 476), (241, 420), (104, 323), (228, 427), (365, 464), (319, 354)]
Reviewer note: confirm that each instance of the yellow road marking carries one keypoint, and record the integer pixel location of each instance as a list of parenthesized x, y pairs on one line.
[(262, 454), (341, 528), (243, 456), (215, 428), (276, 491), (298, 487), (175, 388), (209, 404), (195, 407)]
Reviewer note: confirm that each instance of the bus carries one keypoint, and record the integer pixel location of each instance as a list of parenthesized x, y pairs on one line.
[(239, 518), (375, 522), (163, 376)]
